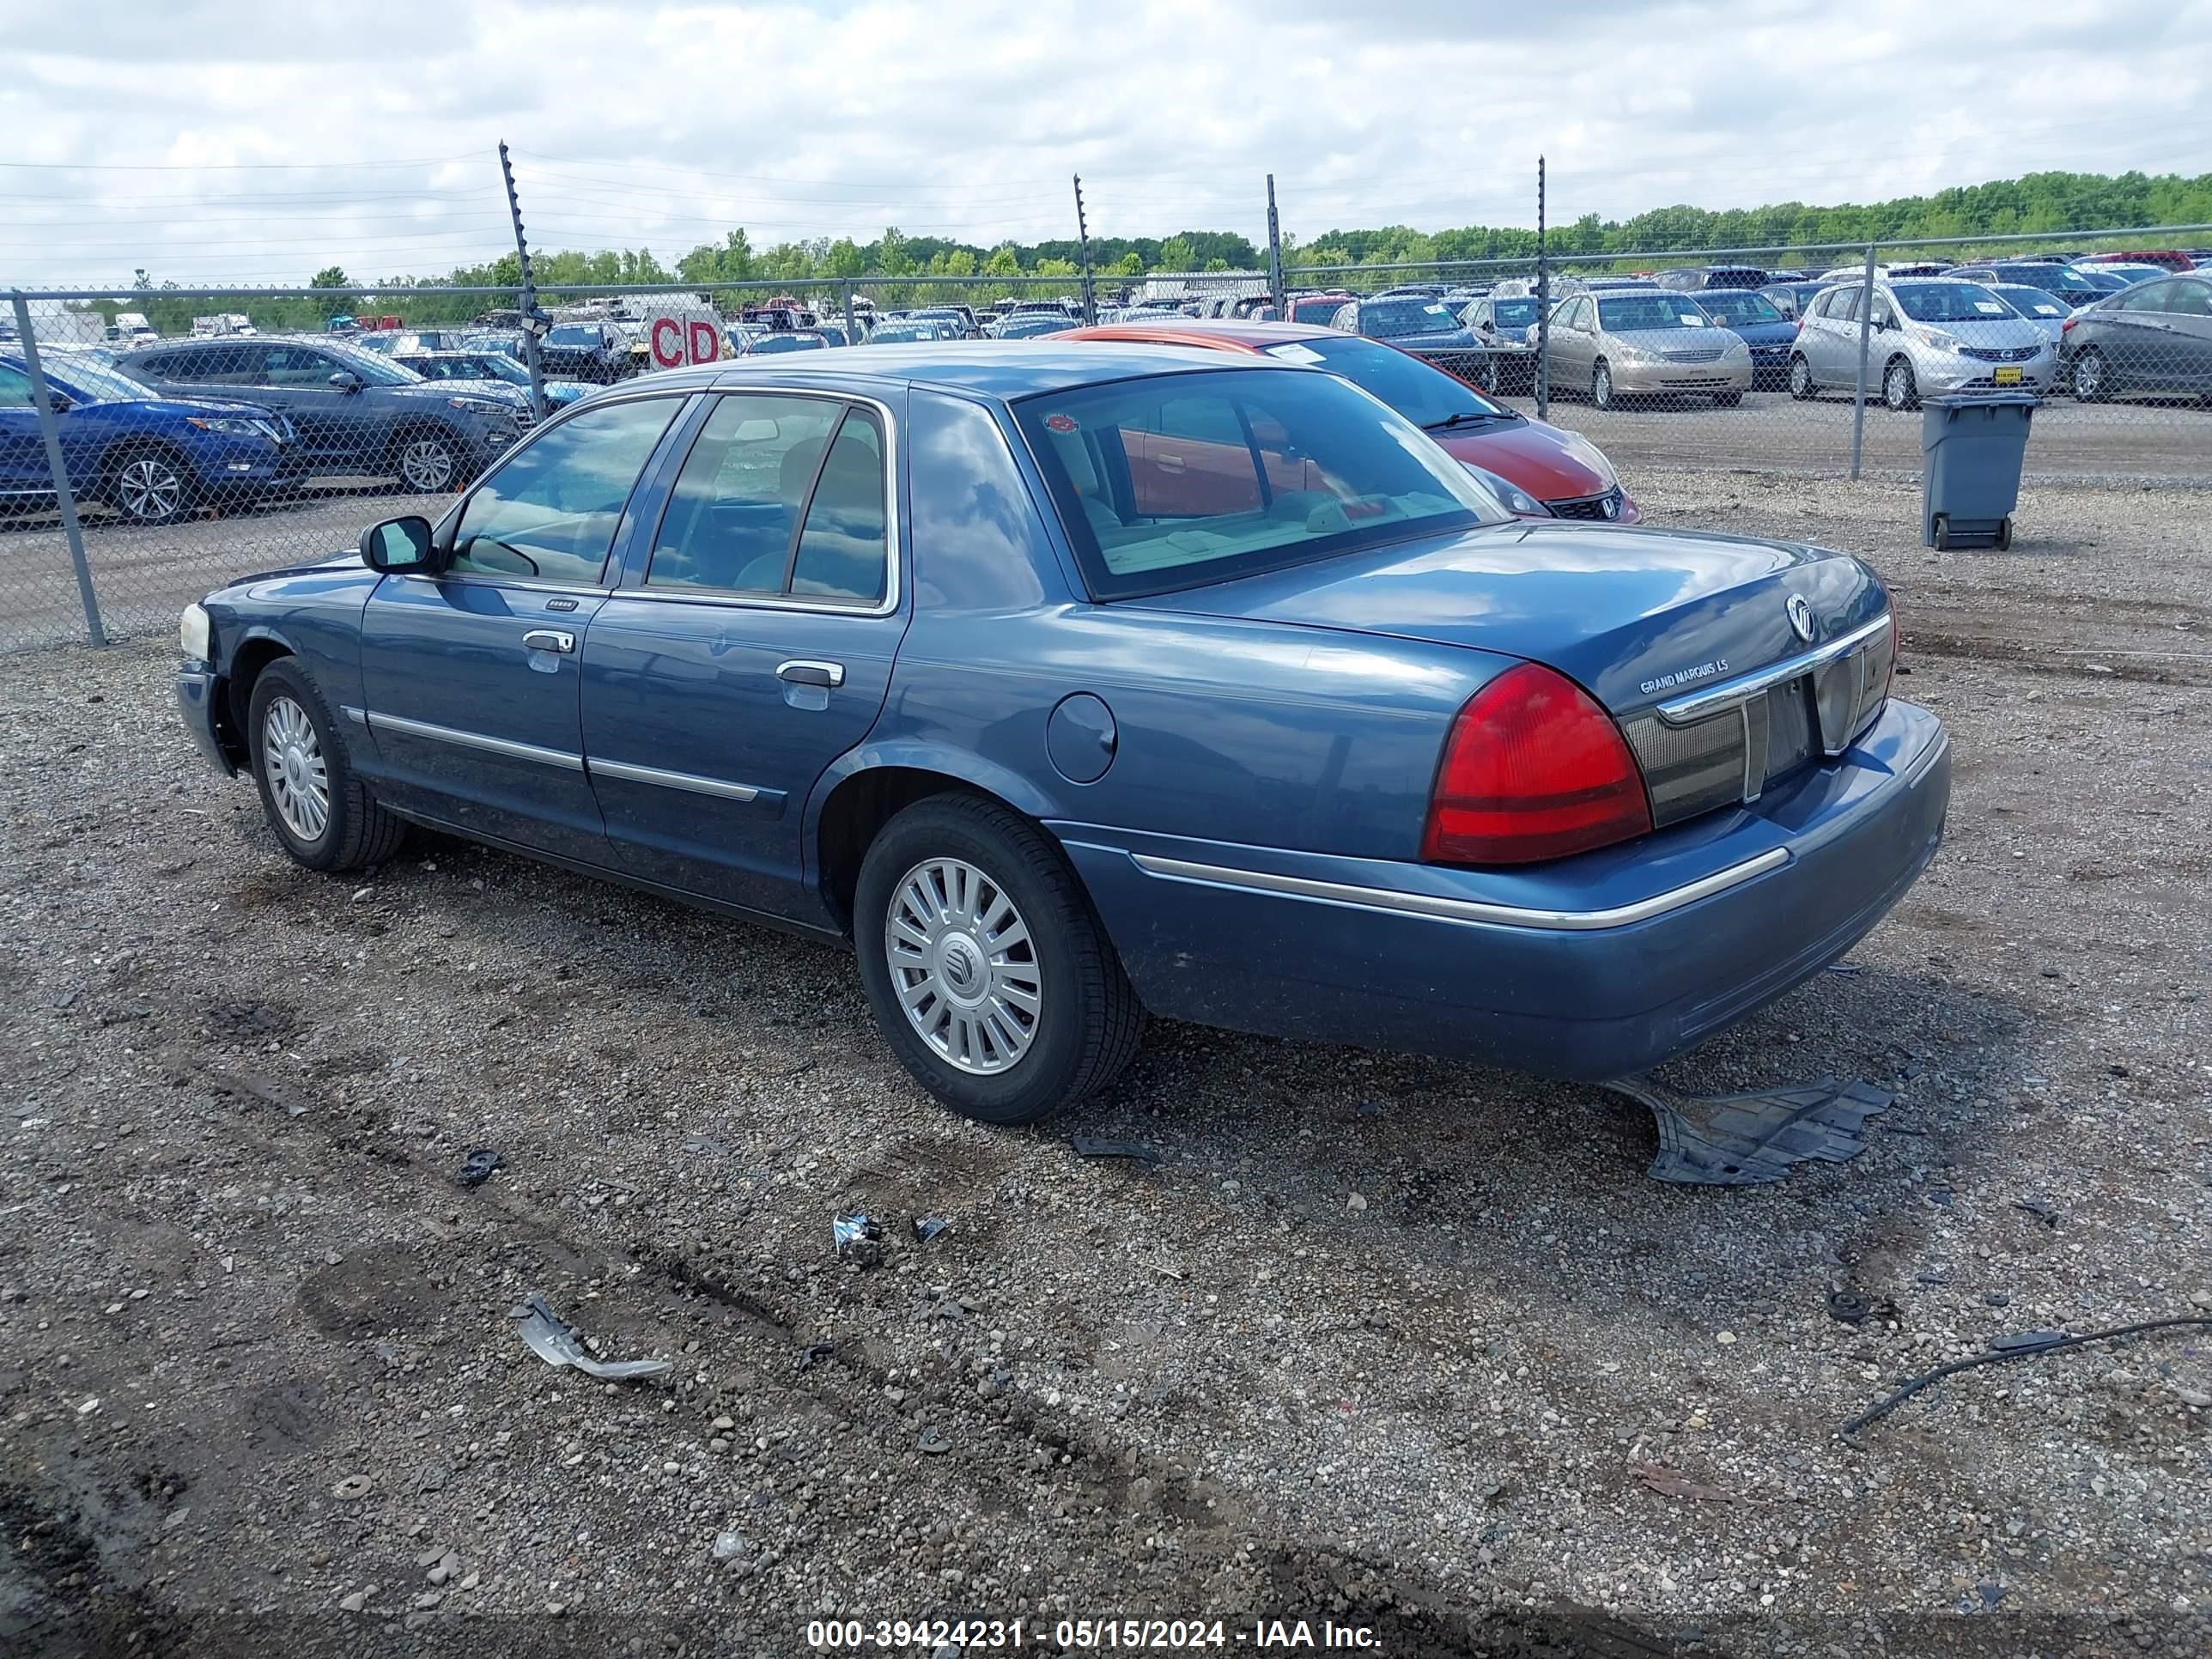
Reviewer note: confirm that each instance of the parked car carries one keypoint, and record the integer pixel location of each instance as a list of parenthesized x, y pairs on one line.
[(597, 351), (1427, 324), (2046, 310), (2062, 282), (938, 658), (901, 330), (2126, 274), (2154, 338), (772, 342), (1316, 308), (1790, 298), (1695, 279), (1748, 314), (479, 365), (354, 411), (1500, 325), (962, 317), (2166, 258), (1034, 325), (1607, 347), (150, 459), (1549, 472), (1932, 334)]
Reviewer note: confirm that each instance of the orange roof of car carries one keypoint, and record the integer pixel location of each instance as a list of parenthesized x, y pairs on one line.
[(1222, 334)]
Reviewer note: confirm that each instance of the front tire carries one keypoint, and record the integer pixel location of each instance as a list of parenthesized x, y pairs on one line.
[(1899, 391), (428, 462), (319, 809), (989, 976), (1601, 393), (150, 487)]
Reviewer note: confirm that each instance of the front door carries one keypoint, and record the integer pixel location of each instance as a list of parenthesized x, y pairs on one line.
[(334, 429), (751, 649), (469, 677), (23, 468)]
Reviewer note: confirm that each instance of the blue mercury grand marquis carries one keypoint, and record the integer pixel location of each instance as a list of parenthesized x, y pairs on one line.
[(1072, 682)]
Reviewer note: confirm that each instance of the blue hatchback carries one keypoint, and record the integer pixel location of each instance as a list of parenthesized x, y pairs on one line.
[(1758, 323), (150, 458), (1071, 683)]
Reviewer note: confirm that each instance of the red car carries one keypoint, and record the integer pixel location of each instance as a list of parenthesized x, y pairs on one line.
[(2171, 257), (1562, 471)]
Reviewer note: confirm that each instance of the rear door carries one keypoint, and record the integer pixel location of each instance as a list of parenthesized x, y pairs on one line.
[(23, 468), (469, 678), (2191, 316), (749, 643), (2148, 348)]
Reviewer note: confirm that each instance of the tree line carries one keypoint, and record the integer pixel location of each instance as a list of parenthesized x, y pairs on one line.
[(2038, 202)]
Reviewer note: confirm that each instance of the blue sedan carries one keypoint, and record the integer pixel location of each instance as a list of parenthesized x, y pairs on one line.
[(1758, 323), (1074, 683)]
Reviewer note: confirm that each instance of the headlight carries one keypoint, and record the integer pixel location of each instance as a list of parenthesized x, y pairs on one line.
[(195, 634), (1937, 339), (235, 426), (477, 406), (1518, 502)]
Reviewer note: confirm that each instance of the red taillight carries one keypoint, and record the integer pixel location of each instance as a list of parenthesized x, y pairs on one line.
[(1534, 769), (2067, 327)]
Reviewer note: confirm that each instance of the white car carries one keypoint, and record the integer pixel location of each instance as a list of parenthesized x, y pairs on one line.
[(1927, 334)]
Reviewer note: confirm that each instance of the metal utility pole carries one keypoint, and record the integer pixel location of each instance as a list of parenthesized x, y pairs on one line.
[(65, 497), (528, 299), (1543, 305), (1083, 242), (1859, 392), (1274, 250)]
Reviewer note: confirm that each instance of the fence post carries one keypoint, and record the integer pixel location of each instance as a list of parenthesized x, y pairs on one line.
[(1083, 243), (526, 301), (1859, 388), (1543, 305), (1274, 252), (63, 496), (851, 338)]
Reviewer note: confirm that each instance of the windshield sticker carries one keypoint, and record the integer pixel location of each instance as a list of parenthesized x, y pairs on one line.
[(1990, 307), (2048, 311), (1060, 423), (1295, 353), (1435, 311), (1691, 319)]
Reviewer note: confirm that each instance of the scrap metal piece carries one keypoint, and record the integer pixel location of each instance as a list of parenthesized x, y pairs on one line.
[(858, 1238), (1745, 1141), (1136, 1152), (552, 1340)]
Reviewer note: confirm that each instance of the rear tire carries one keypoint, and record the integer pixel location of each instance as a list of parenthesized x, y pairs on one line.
[(1800, 380), (1004, 998), (320, 810), (2091, 380)]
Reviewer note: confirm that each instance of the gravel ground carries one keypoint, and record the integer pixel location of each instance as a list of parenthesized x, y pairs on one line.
[(1402, 1345)]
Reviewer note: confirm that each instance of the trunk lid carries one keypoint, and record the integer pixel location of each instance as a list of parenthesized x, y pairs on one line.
[(1636, 616)]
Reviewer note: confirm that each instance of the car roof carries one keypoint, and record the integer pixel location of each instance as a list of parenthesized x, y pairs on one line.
[(992, 369), (1211, 332)]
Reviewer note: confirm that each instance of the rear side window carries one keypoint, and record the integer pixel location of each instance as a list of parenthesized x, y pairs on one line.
[(780, 495), (14, 388), (549, 513)]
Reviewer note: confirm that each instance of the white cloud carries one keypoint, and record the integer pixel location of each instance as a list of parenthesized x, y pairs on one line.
[(673, 123)]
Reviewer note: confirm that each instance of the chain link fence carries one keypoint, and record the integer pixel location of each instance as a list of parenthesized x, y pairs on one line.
[(154, 445)]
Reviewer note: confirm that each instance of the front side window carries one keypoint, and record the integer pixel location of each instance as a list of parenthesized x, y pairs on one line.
[(1319, 468), (14, 388), (550, 512), (739, 519)]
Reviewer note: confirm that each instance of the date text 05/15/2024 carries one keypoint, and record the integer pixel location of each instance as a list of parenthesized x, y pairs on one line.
[(1086, 1634)]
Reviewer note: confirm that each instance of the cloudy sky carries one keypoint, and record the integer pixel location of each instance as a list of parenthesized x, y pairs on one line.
[(252, 142)]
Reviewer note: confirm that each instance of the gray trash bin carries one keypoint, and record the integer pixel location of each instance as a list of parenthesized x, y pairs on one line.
[(1972, 445)]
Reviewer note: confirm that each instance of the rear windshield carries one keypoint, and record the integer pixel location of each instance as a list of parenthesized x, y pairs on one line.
[(2031, 302), (1177, 480), (1950, 302), (1634, 310), (1739, 306), (1385, 319)]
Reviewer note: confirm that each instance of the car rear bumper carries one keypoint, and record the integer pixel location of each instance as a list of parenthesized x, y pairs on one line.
[(199, 704), (1606, 964)]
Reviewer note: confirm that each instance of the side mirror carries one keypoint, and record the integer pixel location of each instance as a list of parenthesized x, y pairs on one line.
[(346, 380), (398, 546), (59, 402), (1528, 335)]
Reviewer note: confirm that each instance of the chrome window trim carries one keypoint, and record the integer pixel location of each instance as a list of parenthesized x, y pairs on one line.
[(686, 780), (512, 751), (1440, 909), (1682, 711), (893, 526)]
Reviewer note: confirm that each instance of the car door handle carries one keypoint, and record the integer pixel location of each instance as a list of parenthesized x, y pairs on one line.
[(804, 672), (1168, 463), (548, 639)]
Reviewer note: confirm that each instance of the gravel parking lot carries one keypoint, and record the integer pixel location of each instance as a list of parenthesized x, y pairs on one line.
[(1404, 1345)]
